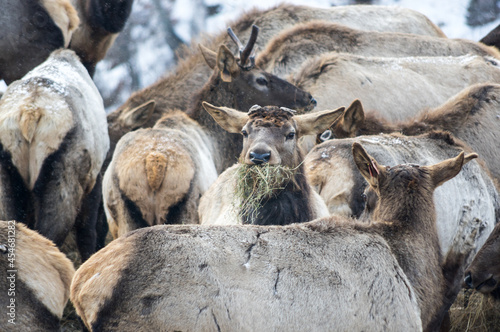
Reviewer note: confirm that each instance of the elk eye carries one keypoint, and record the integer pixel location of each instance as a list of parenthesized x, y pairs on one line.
[(261, 81), (244, 133), (290, 135), (363, 196)]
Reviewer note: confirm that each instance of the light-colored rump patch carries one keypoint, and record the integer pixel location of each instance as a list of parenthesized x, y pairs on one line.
[(168, 171), (64, 16), (43, 268), (156, 166), (34, 119)]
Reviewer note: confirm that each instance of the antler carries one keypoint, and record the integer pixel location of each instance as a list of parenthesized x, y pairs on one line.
[(247, 52)]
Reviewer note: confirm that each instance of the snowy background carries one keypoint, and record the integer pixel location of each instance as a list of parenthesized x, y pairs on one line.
[(145, 49)]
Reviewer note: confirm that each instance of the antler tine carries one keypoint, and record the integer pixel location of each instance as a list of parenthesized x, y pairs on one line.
[(231, 34), (248, 51)]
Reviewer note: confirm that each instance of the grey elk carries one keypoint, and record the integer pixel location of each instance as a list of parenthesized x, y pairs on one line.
[(268, 186), (286, 52), (53, 141), (35, 278), (417, 82), (294, 277)]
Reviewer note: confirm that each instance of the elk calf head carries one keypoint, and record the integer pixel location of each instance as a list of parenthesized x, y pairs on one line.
[(270, 133)]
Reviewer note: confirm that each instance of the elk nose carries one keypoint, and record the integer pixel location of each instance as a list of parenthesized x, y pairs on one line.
[(259, 158), (313, 101), (468, 280)]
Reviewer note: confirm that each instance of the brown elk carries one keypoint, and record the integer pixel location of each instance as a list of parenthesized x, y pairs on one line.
[(406, 218), (286, 52), (416, 82), (35, 278), (158, 174), (270, 136), (483, 274), (471, 115), (53, 141), (191, 73)]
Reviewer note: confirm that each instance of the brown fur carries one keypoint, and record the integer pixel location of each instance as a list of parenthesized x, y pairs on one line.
[(101, 23), (157, 175), (270, 136), (42, 278), (291, 48), (483, 273), (409, 224)]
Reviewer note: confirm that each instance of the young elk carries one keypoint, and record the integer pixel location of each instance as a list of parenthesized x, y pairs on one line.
[(405, 216), (483, 273), (268, 183)]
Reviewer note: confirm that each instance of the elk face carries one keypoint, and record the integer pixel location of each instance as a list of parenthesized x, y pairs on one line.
[(270, 133), (250, 84)]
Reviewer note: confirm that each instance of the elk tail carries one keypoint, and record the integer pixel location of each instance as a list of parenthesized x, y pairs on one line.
[(156, 167), (30, 116)]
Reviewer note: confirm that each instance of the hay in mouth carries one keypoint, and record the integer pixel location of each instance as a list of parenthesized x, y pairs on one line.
[(255, 184)]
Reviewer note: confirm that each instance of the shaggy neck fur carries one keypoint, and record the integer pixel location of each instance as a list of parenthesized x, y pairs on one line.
[(290, 205)]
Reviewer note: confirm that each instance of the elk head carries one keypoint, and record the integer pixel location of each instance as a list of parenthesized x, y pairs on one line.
[(270, 133), (249, 84)]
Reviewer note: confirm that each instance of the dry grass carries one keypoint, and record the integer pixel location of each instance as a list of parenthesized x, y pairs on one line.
[(475, 312), (255, 184)]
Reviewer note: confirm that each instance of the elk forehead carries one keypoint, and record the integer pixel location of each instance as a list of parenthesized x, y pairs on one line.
[(270, 116)]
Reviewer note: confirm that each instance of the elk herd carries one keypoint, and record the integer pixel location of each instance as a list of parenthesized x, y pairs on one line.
[(309, 169)]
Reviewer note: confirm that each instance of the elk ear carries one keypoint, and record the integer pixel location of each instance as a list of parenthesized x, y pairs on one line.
[(227, 64), (317, 122), (209, 56), (352, 119), (137, 116), (367, 165), (229, 119), (449, 168)]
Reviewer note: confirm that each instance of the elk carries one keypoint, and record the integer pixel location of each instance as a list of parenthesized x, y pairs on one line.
[(293, 277), (463, 223), (471, 115), (53, 141), (35, 278), (158, 174), (483, 274), (34, 29), (406, 218), (270, 136), (236, 83), (416, 82), (191, 73), (286, 52)]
